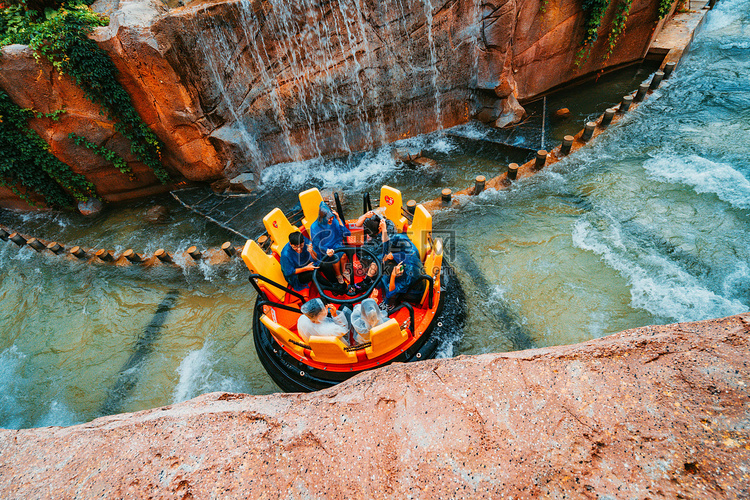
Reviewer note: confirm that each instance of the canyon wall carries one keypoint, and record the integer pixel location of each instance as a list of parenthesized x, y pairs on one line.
[(653, 412), (236, 85)]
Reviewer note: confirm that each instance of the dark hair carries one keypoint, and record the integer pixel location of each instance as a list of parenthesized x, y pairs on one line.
[(371, 225), (296, 238)]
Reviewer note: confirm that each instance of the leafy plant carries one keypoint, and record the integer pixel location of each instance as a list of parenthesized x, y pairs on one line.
[(118, 161), (61, 36), (25, 159), (594, 10), (618, 25)]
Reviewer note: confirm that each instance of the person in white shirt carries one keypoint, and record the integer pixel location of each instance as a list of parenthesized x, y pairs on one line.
[(315, 321)]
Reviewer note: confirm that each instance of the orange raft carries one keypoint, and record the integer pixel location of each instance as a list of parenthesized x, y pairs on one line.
[(413, 331)]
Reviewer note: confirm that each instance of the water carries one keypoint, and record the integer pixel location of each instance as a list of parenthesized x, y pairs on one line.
[(646, 225)]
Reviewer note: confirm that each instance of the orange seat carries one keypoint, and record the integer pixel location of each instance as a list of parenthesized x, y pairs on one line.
[(421, 230), (266, 265), (391, 200), (330, 350), (310, 202), (279, 228), (282, 335)]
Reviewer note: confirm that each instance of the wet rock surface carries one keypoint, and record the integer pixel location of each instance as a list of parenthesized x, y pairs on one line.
[(654, 412)]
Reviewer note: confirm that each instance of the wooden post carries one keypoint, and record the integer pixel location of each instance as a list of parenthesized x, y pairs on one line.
[(78, 252), (512, 171), (229, 249), (104, 255), (479, 184), (55, 247), (132, 256), (566, 145), (194, 252), (163, 255)]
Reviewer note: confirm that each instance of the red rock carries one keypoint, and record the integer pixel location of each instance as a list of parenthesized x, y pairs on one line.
[(658, 411)]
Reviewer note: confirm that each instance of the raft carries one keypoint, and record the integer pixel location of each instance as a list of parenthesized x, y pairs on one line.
[(414, 328)]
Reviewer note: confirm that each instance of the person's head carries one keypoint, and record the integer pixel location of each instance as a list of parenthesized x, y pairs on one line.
[(315, 310), (371, 312), (297, 241), (325, 214), (371, 226)]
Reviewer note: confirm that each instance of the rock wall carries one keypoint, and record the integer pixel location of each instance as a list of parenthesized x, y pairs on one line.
[(654, 412), (236, 85)]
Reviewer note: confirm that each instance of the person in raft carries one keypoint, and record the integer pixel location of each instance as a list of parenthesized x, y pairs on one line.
[(327, 234), (297, 261), (314, 320), (402, 267), (366, 316)]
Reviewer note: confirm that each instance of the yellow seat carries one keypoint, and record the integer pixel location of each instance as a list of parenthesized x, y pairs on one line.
[(278, 228), (384, 338), (330, 350), (266, 265), (282, 335), (310, 202), (420, 230), (390, 199)]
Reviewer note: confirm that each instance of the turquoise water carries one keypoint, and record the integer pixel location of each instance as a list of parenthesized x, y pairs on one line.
[(648, 224)]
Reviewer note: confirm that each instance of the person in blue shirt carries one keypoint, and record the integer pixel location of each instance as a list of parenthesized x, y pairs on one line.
[(402, 268), (298, 261), (328, 233)]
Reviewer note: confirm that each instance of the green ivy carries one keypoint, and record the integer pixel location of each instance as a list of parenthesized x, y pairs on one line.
[(618, 25), (61, 36), (118, 161), (595, 10), (25, 159), (664, 7)]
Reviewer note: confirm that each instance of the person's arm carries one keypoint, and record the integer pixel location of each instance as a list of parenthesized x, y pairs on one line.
[(309, 267), (397, 271), (363, 217), (384, 231)]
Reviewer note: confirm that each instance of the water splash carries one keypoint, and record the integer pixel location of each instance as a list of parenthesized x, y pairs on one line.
[(197, 375), (703, 175), (657, 284)]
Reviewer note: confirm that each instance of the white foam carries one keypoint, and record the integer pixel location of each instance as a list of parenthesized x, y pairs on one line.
[(12, 411), (735, 45), (197, 375), (705, 176), (657, 285), (332, 173), (58, 414), (725, 13)]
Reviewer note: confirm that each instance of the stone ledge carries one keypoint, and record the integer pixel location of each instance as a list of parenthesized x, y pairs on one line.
[(658, 411)]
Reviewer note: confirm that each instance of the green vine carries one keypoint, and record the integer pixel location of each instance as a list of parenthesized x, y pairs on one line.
[(595, 10), (618, 25), (664, 7), (118, 161), (61, 36), (25, 159)]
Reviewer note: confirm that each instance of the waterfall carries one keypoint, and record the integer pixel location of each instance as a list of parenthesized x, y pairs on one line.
[(286, 81), (433, 60)]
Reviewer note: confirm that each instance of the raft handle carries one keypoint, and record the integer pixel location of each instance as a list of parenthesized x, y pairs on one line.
[(411, 314), (254, 277), (430, 283)]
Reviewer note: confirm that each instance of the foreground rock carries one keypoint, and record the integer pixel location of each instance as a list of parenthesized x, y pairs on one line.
[(648, 413)]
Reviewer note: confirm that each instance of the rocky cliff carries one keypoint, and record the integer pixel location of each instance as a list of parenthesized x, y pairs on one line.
[(237, 85), (654, 412)]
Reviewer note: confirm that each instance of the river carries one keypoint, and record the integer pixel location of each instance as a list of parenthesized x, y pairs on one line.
[(646, 225)]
